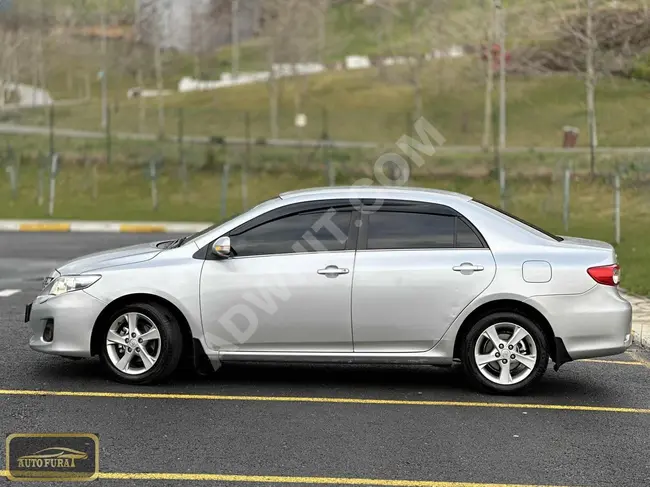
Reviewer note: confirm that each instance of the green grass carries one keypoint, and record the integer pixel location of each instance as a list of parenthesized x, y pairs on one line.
[(359, 106)]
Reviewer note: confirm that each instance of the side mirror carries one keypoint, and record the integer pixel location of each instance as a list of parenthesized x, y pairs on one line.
[(221, 247)]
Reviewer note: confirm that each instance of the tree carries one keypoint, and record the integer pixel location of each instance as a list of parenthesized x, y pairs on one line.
[(288, 27), (418, 17), (590, 85), (380, 16), (488, 55), (17, 25), (580, 32), (500, 27), (152, 16)]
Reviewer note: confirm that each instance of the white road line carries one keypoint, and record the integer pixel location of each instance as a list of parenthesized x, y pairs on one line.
[(5, 293)]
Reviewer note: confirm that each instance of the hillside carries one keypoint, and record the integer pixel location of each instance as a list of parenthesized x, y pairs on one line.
[(359, 106), (365, 105)]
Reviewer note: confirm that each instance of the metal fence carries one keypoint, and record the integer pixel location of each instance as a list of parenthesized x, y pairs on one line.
[(211, 182)]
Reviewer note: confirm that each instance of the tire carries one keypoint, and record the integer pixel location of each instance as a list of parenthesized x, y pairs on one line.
[(532, 349), (162, 354)]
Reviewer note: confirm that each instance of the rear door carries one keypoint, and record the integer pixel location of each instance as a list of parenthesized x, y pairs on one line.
[(417, 267)]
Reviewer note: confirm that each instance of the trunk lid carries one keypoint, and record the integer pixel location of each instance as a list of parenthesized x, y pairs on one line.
[(604, 249)]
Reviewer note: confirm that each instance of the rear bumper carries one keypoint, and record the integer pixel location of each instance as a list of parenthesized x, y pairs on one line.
[(73, 316), (593, 324)]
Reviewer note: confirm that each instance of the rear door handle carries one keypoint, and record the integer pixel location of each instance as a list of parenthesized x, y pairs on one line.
[(332, 271), (468, 268)]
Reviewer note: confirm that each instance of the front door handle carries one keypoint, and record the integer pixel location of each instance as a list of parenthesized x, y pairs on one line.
[(468, 268), (332, 271)]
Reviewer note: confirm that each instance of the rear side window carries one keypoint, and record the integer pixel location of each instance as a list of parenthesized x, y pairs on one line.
[(520, 221), (401, 230)]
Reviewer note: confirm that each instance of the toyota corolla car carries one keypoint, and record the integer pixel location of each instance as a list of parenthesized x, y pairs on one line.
[(343, 275)]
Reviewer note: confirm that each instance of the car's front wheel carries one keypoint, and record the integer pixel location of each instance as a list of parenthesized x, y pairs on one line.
[(505, 353), (141, 344)]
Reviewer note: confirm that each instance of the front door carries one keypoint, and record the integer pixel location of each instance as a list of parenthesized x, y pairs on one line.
[(416, 269), (286, 289)]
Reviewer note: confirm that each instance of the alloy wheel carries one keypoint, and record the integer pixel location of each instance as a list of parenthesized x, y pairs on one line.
[(133, 343), (505, 353)]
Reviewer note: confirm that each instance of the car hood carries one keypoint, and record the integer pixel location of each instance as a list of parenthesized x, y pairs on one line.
[(111, 258)]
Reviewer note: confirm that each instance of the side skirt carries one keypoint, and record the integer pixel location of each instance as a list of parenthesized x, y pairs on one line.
[(424, 358)]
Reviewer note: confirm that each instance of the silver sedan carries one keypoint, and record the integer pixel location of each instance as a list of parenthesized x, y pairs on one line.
[(343, 275)]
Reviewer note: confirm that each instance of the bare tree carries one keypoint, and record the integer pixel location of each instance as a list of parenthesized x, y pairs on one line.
[(489, 75), (234, 34), (15, 40), (380, 15), (580, 32), (159, 83), (501, 29), (104, 54), (590, 84), (272, 29), (322, 10), (310, 17), (415, 57), (288, 27), (151, 19)]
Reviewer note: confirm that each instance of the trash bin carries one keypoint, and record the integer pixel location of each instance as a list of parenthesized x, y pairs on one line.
[(570, 137)]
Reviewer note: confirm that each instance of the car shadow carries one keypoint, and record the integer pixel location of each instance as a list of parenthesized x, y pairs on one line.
[(323, 380)]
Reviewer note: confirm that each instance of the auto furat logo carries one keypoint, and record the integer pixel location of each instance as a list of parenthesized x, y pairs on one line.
[(55, 457), (52, 457)]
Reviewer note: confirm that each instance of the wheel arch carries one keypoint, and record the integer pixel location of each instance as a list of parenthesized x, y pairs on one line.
[(113, 306), (511, 306)]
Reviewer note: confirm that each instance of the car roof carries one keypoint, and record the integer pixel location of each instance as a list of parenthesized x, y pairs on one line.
[(374, 192)]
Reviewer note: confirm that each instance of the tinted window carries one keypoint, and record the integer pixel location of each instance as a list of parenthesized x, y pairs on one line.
[(306, 232), (466, 238), (394, 230)]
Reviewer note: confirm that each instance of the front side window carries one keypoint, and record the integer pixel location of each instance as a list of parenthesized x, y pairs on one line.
[(401, 230), (315, 231)]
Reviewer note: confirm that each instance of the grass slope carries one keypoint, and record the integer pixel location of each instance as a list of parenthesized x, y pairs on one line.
[(360, 106)]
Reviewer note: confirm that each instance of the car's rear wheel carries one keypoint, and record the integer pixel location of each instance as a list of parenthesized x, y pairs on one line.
[(505, 353), (141, 344)]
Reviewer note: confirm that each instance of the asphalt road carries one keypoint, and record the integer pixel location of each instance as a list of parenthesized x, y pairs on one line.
[(301, 424)]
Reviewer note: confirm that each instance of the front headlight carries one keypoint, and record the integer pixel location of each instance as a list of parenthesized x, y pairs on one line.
[(47, 280), (66, 284)]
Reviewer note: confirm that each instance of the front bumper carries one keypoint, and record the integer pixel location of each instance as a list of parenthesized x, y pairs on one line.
[(594, 324), (73, 316)]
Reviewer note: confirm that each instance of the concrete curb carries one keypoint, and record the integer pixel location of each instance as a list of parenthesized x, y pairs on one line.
[(100, 226), (641, 340), (640, 318)]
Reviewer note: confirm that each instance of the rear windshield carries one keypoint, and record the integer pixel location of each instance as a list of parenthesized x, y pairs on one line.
[(520, 221)]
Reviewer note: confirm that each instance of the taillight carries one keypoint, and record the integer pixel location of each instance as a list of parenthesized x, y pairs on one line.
[(609, 275)]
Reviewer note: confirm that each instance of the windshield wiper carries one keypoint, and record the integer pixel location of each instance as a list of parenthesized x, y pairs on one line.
[(178, 242)]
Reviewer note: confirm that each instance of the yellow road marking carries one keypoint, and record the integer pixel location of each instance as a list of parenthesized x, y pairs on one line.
[(640, 359), (278, 479), (616, 362), (44, 227), (134, 228), (331, 400)]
